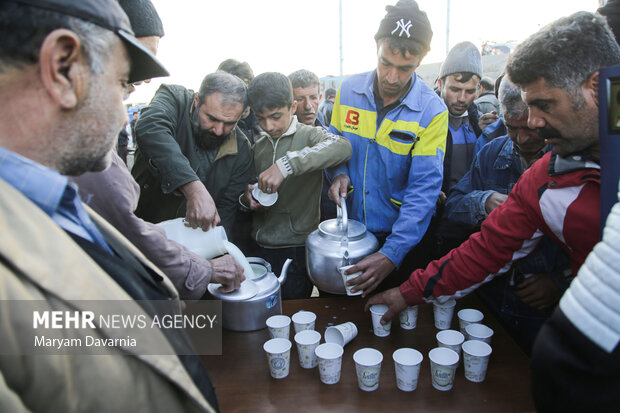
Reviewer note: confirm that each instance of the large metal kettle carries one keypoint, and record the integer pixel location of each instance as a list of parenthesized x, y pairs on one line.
[(249, 307), (336, 243)]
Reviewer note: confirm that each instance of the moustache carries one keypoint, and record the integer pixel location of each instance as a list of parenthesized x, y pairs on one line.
[(548, 132), (308, 112)]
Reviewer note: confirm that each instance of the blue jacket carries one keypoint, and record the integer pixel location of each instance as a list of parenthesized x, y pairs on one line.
[(397, 165), (494, 169), (493, 131), (497, 169)]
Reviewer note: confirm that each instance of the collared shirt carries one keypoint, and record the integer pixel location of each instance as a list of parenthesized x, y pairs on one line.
[(384, 110), (523, 163), (52, 192)]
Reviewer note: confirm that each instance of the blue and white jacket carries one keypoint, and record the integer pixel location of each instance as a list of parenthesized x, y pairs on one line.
[(397, 165)]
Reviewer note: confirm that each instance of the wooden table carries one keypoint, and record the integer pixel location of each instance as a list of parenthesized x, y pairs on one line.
[(243, 384)]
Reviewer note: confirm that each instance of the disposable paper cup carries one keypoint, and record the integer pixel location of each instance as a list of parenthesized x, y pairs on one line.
[(407, 365), (443, 367), (346, 278), (476, 356), (451, 339), (377, 311), (303, 320), (368, 368), (443, 314), (341, 334), (409, 318), (480, 332), (279, 326), (263, 198), (279, 357), (330, 362), (468, 316), (307, 341)]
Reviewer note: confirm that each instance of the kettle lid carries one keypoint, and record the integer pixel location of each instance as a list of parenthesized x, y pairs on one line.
[(333, 229), (247, 290)]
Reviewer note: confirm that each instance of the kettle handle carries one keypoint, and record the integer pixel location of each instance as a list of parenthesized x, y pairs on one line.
[(342, 216)]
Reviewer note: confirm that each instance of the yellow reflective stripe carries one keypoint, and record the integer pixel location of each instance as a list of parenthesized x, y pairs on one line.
[(433, 137), (395, 202), (350, 189), (399, 148), (335, 122), (354, 120)]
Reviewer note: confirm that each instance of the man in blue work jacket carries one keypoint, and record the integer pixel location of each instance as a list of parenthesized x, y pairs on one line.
[(397, 127)]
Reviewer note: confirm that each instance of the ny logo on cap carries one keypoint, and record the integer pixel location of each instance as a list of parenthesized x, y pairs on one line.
[(404, 28)]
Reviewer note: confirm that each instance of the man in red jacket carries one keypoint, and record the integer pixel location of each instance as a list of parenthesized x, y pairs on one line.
[(559, 195)]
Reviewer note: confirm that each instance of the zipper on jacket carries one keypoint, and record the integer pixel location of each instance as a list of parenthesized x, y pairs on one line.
[(364, 184)]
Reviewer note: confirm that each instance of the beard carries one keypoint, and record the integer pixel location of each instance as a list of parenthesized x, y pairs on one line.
[(205, 139), (88, 139)]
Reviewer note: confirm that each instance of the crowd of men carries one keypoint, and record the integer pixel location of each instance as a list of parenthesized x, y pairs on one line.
[(480, 184)]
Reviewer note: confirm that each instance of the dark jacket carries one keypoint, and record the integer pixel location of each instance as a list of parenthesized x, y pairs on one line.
[(169, 157), (473, 115)]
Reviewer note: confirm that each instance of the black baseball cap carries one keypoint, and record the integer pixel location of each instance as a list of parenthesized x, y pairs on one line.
[(109, 15)]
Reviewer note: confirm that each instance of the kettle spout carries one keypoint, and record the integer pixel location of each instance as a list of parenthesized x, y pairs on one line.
[(282, 276)]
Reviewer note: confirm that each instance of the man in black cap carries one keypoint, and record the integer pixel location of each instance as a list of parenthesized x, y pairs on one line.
[(72, 61), (397, 126), (114, 194)]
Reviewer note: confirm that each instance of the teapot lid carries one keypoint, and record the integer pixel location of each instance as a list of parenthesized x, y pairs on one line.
[(247, 290), (332, 229)]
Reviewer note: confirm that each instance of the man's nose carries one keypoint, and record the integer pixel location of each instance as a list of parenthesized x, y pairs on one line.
[(534, 120), (218, 128), (526, 135), (307, 104), (392, 76)]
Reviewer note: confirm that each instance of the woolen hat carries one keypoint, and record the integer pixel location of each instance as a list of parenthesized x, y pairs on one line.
[(611, 11), (109, 15), (463, 57), (406, 20), (143, 17)]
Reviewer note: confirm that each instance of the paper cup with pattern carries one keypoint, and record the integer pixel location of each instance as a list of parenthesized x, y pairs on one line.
[(451, 339), (368, 368), (407, 366), (307, 341), (476, 356), (480, 332), (468, 316), (303, 320), (443, 367), (341, 334), (377, 311), (443, 314), (349, 277), (409, 318), (329, 356), (278, 352), (279, 326)]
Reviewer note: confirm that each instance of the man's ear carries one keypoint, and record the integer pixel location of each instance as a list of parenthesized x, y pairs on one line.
[(195, 99), (294, 107), (590, 87), (64, 68)]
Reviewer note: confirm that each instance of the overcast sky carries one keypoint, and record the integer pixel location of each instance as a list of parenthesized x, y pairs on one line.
[(286, 35)]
